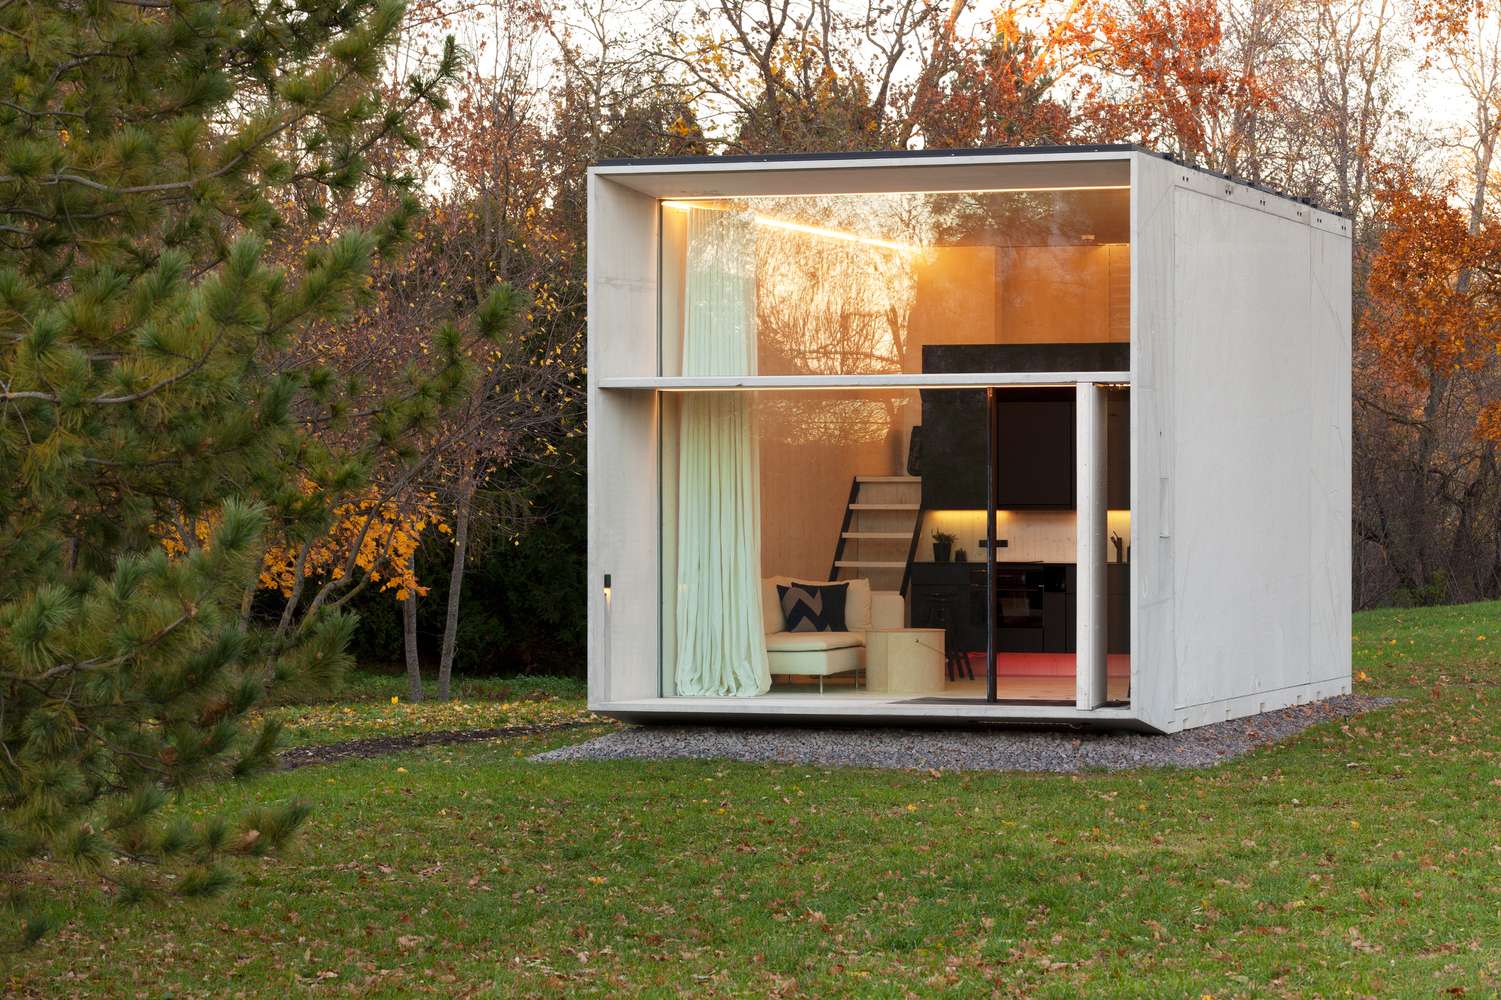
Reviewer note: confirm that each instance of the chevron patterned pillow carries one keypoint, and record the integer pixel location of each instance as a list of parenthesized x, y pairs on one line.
[(810, 607)]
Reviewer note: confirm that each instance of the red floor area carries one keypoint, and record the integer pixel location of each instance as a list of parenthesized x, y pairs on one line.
[(1045, 664)]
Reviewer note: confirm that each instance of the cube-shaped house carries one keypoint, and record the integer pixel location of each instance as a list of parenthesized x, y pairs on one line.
[(1012, 435)]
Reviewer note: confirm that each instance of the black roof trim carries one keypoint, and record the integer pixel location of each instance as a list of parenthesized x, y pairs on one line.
[(879, 154), (952, 154)]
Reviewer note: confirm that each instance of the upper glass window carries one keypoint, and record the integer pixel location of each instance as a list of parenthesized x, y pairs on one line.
[(867, 284)]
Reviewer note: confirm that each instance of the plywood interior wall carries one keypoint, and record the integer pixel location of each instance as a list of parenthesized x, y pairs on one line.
[(1020, 295), (812, 446), (955, 300), (674, 279), (959, 295), (1064, 294)]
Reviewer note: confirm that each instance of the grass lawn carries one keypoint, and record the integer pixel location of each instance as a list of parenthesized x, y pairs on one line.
[(1355, 860), (377, 705)]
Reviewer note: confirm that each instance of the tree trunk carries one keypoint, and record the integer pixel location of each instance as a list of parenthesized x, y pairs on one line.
[(409, 636), (1421, 529), (455, 580)]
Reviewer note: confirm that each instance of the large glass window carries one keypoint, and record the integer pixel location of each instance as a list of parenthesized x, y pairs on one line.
[(862, 284), (767, 492), (835, 540), (760, 488)]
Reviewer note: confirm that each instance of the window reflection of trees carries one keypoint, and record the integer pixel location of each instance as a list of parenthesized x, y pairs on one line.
[(827, 305), (831, 421), (1048, 247), (1026, 218), (833, 304)]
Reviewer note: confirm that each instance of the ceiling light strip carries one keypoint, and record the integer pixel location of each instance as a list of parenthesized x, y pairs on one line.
[(799, 227), (834, 234), (687, 201), (905, 381)]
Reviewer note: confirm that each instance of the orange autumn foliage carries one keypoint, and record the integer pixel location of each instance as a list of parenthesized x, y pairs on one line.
[(1163, 74), (997, 87), (386, 551), (1451, 20), (1433, 308), (171, 538)]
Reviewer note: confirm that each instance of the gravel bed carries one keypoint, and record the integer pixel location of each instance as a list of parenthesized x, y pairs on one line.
[(993, 749)]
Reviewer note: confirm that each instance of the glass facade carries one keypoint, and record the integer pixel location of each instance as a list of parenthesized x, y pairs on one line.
[(769, 488), (860, 284), (833, 540)]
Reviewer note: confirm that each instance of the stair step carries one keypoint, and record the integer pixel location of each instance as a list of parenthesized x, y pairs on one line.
[(893, 536), (888, 479), (883, 506), (864, 564)]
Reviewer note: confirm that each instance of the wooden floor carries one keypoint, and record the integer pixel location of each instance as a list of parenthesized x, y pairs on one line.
[(1030, 688), (1007, 688), (1045, 664), (1042, 677)]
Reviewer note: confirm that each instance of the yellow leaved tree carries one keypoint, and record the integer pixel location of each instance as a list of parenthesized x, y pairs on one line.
[(373, 536), (383, 534)]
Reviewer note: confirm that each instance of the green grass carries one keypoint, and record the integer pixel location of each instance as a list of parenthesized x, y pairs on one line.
[(372, 704), (383, 685), (1361, 859)]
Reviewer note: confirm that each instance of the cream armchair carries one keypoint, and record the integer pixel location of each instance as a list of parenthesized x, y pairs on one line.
[(822, 654)]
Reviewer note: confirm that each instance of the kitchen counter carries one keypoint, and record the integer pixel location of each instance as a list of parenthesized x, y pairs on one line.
[(1036, 604)]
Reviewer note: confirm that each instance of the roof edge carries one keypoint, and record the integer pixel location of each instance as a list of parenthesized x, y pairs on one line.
[(877, 154), (940, 155)]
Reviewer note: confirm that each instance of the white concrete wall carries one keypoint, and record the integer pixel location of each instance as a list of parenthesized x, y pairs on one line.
[(1153, 645), (622, 449), (1330, 490), (1258, 503), (964, 171), (1090, 665)]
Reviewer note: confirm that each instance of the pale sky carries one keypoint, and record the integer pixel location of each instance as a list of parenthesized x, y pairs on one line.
[(1435, 104)]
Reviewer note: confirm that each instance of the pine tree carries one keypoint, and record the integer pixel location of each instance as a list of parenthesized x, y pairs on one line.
[(155, 435)]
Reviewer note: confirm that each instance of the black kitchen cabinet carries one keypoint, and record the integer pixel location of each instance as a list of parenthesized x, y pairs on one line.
[(951, 596), (1033, 603), (1057, 630), (1035, 432), (953, 449), (942, 600), (1118, 607), (1118, 443), (1034, 449)]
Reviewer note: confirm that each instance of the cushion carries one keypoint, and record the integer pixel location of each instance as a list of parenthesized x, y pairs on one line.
[(813, 607), (815, 662), (771, 607), (856, 603), (812, 642)]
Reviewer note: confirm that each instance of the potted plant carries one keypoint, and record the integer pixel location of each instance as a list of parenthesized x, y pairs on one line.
[(943, 546)]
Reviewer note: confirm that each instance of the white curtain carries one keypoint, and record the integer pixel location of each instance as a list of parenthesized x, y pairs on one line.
[(721, 645)]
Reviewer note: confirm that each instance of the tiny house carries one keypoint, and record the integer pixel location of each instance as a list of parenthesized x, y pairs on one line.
[(1051, 434)]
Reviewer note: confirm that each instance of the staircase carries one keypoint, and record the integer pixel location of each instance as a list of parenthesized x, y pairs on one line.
[(879, 535)]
